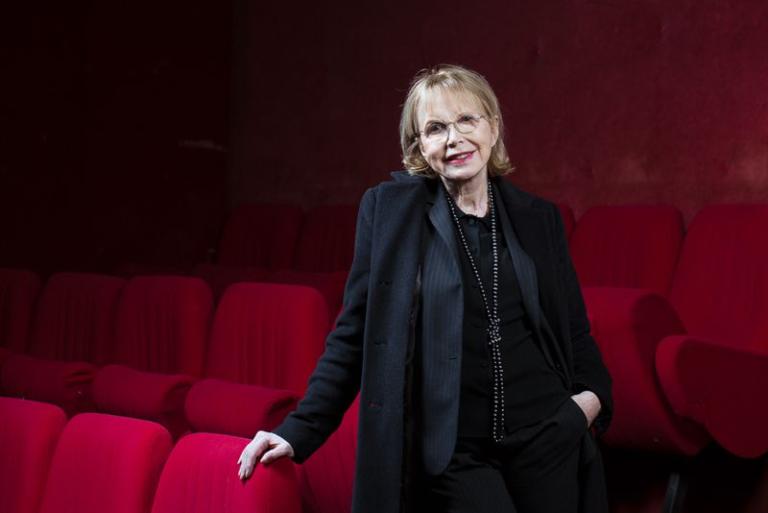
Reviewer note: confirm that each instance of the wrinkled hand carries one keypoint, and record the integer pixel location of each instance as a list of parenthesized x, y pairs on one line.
[(265, 448), (589, 404)]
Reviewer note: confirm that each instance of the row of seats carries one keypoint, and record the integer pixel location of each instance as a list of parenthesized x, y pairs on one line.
[(138, 351), (677, 317), (680, 317), (103, 462), (279, 237)]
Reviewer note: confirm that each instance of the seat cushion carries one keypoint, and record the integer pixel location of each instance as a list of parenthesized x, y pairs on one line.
[(106, 463), (29, 431)]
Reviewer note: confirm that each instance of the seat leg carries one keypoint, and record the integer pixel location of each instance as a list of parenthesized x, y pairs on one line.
[(677, 485)]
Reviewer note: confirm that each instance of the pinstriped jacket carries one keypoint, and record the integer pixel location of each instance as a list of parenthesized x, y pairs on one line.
[(402, 224)]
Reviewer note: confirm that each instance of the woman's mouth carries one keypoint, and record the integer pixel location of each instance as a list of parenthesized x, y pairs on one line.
[(460, 158)]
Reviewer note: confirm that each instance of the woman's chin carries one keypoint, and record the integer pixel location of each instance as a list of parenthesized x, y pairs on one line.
[(462, 173)]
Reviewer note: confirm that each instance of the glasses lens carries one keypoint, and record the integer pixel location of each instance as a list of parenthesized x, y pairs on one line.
[(467, 124), (435, 131)]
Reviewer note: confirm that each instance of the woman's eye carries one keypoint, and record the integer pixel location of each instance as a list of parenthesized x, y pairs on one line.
[(434, 128), (466, 118)]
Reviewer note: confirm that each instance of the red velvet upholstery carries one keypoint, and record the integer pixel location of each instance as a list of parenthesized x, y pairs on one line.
[(329, 284), (628, 324), (627, 246), (219, 277), (28, 434), (162, 324), (67, 384), (201, 477), (267, 334), (716, 375), (231, 408), (120, 390), (721, 284), (327, 477), (106, 463), (260, 236), (75, 317), (569, 220), (18, 291), (327, 239)]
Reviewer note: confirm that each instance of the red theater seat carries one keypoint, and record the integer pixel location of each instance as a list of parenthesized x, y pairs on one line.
[(627, 246), (106, 463), (329, 284), (66, 384), (628, 325), (28, 434), (201, 477), (225, 407), (717, 373), (260, 236), (162, 324), (18, 292), (75, 317), (268, 334), (120, 390), (326, 479), (219, 277), (327, 239)]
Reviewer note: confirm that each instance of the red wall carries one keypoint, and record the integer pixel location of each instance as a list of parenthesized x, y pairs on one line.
[(605, 102), (98, 104)]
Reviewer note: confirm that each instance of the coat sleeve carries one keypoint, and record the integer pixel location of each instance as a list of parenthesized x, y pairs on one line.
[(590, 373), (336, 378)]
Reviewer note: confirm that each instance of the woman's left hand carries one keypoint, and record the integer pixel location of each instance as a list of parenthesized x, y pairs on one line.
[(589, 404)]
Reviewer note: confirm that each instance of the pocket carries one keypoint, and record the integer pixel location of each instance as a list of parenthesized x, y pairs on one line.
[(558, 437), (580, 418)]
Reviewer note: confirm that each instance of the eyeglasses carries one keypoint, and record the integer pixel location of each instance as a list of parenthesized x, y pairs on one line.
[(437, 131)]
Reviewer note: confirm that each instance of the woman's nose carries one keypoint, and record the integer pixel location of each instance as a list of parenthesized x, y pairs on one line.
[(454, 136)]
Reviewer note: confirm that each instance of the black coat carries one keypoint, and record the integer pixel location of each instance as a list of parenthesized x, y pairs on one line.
[(371, 349)]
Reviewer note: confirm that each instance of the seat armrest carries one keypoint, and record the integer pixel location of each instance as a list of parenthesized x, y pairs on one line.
[(720, 386), (628, 325)]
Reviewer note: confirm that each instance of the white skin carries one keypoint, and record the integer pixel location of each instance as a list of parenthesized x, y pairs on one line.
[(461, 162)]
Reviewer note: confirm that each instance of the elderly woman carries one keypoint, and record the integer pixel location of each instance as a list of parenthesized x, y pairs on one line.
[(464, 330)]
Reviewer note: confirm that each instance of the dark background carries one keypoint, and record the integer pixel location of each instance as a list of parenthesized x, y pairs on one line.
[(129, 129)]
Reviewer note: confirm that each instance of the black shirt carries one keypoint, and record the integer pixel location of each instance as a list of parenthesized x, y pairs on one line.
[(532, 389)]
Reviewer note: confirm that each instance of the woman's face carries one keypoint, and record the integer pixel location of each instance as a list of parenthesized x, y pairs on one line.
[(457, 156)]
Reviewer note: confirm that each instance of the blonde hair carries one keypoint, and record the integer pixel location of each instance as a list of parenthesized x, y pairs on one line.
[(452, 78)]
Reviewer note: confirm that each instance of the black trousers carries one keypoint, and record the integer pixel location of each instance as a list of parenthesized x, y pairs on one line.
[(534, 470)]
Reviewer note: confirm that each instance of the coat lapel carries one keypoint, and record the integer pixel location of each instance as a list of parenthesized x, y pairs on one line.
[(532, 227), (523, 264)]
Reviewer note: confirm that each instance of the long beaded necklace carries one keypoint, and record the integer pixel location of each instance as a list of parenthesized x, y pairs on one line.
[(491, 311)]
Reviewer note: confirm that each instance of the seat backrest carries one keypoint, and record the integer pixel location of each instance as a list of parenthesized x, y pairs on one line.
[(29, 431), (327, 239), (260, 236), (633, 246), (106, 463), (326, 479), (18, 292), (720, 288), (201, 477), (219, 277), (267, 334), (75, 317), (162, 324)]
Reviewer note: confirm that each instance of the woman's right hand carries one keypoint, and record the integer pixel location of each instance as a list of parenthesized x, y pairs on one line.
[(265, 447)]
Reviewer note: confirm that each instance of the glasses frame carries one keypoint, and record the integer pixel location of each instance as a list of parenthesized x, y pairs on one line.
[(476, 117)]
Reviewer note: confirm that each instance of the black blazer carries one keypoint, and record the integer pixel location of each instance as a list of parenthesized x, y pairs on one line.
[(371, 349)]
